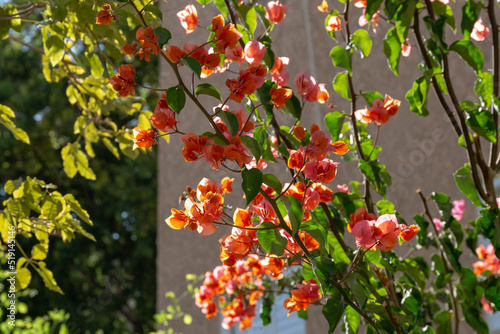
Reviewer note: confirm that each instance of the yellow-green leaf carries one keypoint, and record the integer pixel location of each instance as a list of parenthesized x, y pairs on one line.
[(39, 251), (23, 278)]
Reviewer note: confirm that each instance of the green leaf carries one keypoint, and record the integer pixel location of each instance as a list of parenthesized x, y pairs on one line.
[(340, 85), (333, 310), (111, 147), (351, 320), (252, 145), (249, 16), (271, 239), (265, 97), (48, 277), (193, 64), (483, 88), (404, 16), (362, 42), (323, 270), (377, 175), (470, 54), (470, 14), (273, 182), (474, 319), (442, 10), (96, 68), (221, 6), (372, 6), (338, 254), (252, 181), (294, 209), (176, 98), (342, 58), (482, 123), (466, 185), (77, 208), (54, 49), (372, 96), (293, 107), (443, 320), (51, 206), (392, 50), (164, 36), (82, 165), (204, 2), (315, 230), (23, 279), (417, 96), (230, 120), (334, 121), (412, 301), (208, 89), (154, 10), (385, 207), (39, 251)]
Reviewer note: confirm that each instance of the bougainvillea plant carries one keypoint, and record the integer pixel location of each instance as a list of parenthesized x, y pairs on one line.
[(302, 220)]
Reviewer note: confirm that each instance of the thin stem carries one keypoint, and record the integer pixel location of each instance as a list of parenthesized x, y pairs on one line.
[(155, 89), (333, 227), (445, 263), (428, 64), (392, 318), (34, 48), (375, 142)]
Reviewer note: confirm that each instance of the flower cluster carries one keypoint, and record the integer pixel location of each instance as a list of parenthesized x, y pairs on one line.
[(380, 112), (163, 117), (144, 138), (309, 89), (123, 82), (202, 208), (235, 290), (305, 294), (489, 261), (149, 42), (105, 16), (382, 232)]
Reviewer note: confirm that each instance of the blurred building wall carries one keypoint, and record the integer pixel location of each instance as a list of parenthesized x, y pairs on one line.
[(419, 152)]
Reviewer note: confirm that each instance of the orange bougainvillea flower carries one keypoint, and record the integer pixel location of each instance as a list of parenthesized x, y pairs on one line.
[(163, 117), (193, 146), (105, 16), (305, 294), (299, 132), (123, 82), (275, 11), (149, 41), (174, 53), (380, 112), (189, 18), (279, 96), (235, 151), (178, 219), (226, 36), (129, 49), (334, 24), (144, 138), (408, 232), (323, 95), (323, 7), (279, 74)]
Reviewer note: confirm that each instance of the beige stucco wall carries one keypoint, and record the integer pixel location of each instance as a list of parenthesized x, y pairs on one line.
[(419, 152)]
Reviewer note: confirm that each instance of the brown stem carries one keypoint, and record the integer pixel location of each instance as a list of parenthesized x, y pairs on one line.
[(445, 263), (333, 227), (428, 64), (34, 48), (392, 318)]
